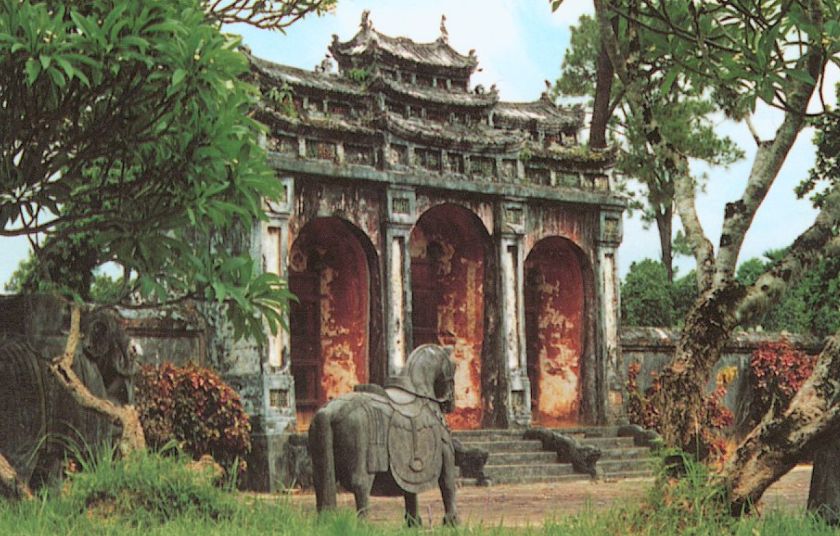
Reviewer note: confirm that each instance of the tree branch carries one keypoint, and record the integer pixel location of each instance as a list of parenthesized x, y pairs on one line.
[(739, 215), (776, 445), (820, 240)]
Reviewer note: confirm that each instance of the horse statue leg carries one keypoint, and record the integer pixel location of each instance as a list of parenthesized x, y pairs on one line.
[(412, 517), (446, 482)]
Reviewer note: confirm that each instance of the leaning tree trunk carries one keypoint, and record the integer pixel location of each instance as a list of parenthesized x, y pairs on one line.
[(11, 486), (777, 444), (126, 417), (679, 400)]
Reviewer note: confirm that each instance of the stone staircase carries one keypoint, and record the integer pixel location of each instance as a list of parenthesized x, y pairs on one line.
[(514, 460)]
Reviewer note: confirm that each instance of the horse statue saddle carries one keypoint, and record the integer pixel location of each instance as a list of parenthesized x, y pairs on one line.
[(415, 433)]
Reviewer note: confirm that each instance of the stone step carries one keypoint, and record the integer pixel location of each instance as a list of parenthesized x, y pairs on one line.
[(609, 467), (625, 453), (521, 458), (604, 443), (511, 445), (584, 431), (505, 473)]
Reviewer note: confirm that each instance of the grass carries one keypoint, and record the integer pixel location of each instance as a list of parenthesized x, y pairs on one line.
[(152, 495)]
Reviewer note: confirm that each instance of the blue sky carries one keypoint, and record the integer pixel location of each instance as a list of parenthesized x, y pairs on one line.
[(519, 44)]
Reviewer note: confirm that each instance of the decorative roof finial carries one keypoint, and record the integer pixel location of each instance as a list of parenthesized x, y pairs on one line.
[(366, 23), (546, 95), (444, 33)]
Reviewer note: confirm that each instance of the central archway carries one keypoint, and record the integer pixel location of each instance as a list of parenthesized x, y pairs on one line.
[(448, 247), (330, 265), (555, 316)]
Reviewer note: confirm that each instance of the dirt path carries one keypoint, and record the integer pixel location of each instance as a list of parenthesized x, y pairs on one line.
[(520, 505)]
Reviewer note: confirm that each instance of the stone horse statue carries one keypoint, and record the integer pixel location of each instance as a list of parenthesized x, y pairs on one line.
[(39, 419), (390, 441)]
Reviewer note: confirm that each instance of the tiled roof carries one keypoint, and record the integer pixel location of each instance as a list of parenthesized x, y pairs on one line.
[(438, 95), (475, 136), (310, 79), (540, 112), (438, 53)]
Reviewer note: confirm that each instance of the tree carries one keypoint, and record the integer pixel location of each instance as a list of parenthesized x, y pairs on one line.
[(125, 137), (646, 295), (776, 53), (683, 113)]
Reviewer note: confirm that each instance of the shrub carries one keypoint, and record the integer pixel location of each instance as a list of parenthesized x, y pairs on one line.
[(711, 444), (777, 371), (194, 407)]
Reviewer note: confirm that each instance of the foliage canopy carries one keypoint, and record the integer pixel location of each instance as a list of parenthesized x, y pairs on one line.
[(125, 137)]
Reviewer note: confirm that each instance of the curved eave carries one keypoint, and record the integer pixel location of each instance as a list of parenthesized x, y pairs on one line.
[(435, 135), (308, 80), (576, 157), (322, 127), (434, 96), (537, 114)]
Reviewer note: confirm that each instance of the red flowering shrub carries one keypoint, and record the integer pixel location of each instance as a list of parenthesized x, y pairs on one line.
[(715, 419), (777, 371), (193, 406)]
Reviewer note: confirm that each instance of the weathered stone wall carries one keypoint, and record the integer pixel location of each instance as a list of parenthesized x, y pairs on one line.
[(654, 347), (177, 335)]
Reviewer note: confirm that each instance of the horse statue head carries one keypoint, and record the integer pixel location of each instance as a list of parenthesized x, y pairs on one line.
[(429, 373), (108, 346)]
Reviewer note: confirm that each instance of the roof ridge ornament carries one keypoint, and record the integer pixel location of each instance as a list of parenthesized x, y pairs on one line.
[(444, 33), (366, 25), (546, 95)]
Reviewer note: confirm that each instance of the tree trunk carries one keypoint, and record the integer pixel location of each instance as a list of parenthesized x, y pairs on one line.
[(824, 495), (679, 401), (126, 417), (601, 105), (664, 223), (777, 444)]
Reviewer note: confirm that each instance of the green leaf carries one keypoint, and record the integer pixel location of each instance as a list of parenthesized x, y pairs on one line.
[(178, 76), (33, 69), (669, 79)]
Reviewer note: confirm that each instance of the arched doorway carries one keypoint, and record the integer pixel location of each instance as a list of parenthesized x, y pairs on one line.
[(448, 247), (555, 313), (330, 265)]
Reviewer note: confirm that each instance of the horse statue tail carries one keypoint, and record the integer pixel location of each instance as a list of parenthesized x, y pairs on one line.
[(323, 460)]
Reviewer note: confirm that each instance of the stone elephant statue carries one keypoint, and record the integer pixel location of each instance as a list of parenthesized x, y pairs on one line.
[(39, 420)]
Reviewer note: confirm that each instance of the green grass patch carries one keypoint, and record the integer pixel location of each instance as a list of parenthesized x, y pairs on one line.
[(150, 494)]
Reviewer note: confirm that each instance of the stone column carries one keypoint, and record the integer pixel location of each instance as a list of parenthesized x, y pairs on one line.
[(510, 228), (401, 216), (273, 415), (610, 376)]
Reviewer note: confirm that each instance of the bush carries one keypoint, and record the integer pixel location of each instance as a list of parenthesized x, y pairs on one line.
[(716, 418), (194, 407), (777, 371)]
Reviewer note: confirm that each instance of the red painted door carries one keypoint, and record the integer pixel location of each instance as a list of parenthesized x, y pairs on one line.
[(305, 328)]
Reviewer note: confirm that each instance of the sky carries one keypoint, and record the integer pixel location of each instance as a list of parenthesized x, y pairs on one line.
[(520, 44)]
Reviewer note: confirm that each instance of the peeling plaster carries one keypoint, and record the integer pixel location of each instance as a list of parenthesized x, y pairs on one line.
[(554, 296), (448, 247), (328, 248)]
